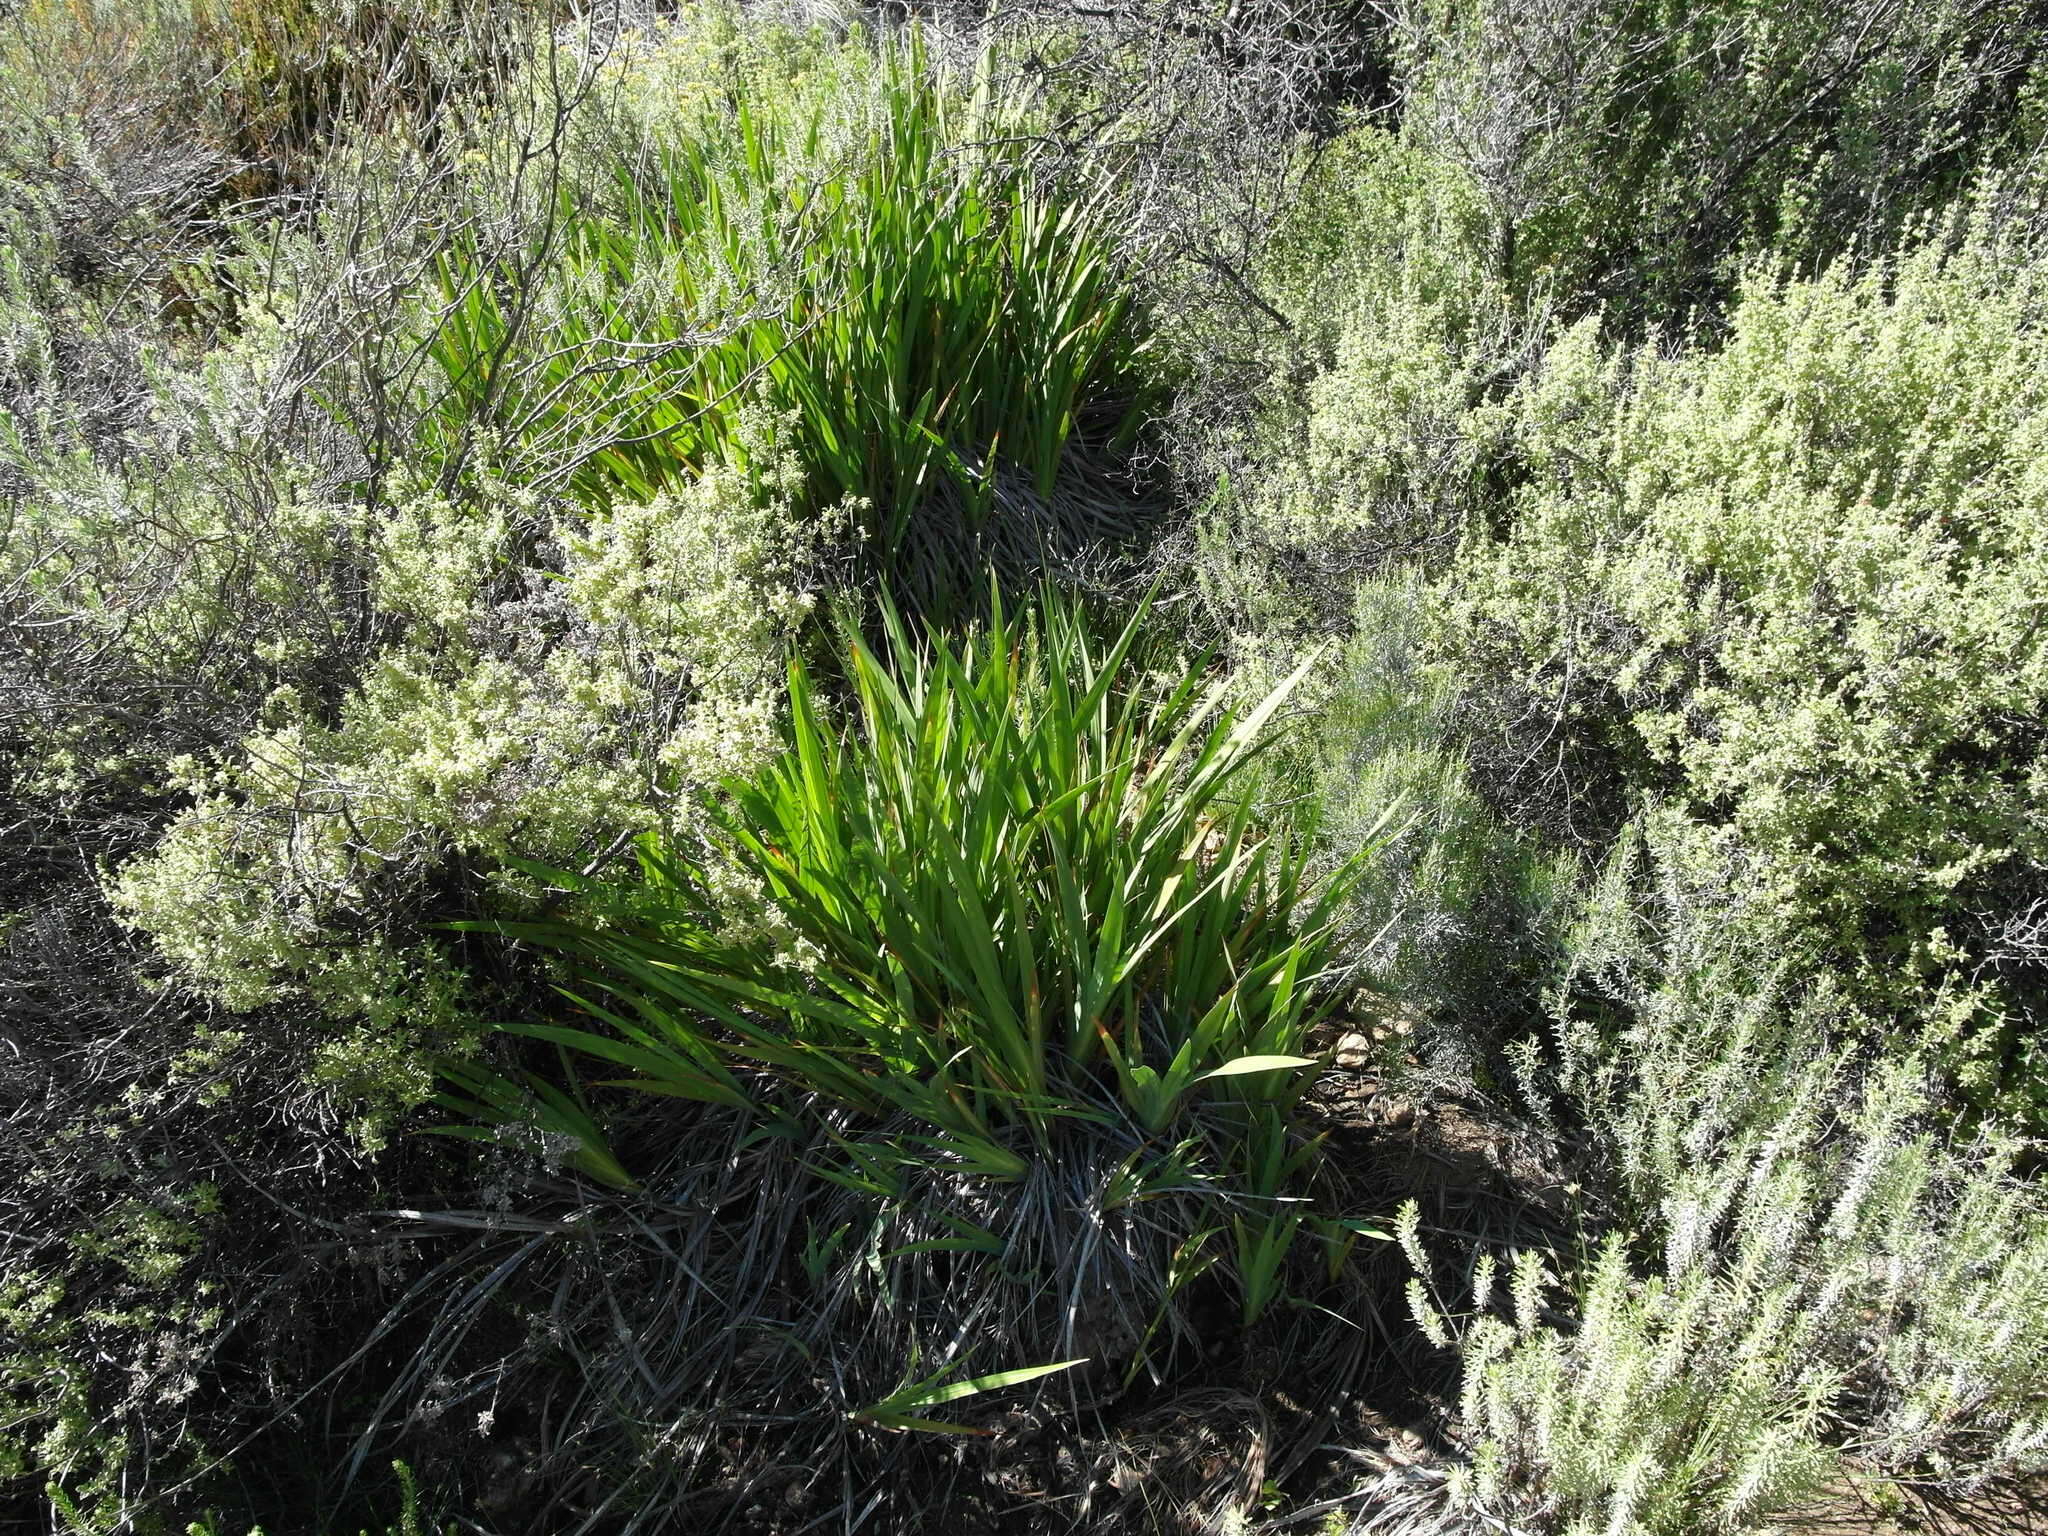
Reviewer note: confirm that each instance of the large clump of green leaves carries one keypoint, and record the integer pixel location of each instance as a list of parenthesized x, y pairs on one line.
[(1022, 889), (845, 249)]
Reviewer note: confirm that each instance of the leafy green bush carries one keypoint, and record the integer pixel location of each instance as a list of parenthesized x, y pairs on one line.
[(1025, 889), (987, 1007), (852, 248)]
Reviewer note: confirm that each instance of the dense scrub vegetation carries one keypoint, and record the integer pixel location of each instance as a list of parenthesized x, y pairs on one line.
[(1143, 768)]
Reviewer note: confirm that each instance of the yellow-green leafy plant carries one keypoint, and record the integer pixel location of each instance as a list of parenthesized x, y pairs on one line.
[(549, 686), (962, 1039)]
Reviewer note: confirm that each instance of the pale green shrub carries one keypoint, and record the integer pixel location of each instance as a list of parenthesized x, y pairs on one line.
[(1788, 586), (1463, 911), (157, 595), (1598, 160), (287, 707), (1383, 229), (552, 682), (347, 693), (1370, 457), (1668, 1405), (1386, 264), (1371, 445), (1802, 1264), (1633, 157), (113, 142), (1740, 1097)]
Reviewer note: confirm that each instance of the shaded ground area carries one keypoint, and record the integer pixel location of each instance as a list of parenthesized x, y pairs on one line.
[(1858, 1510)]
